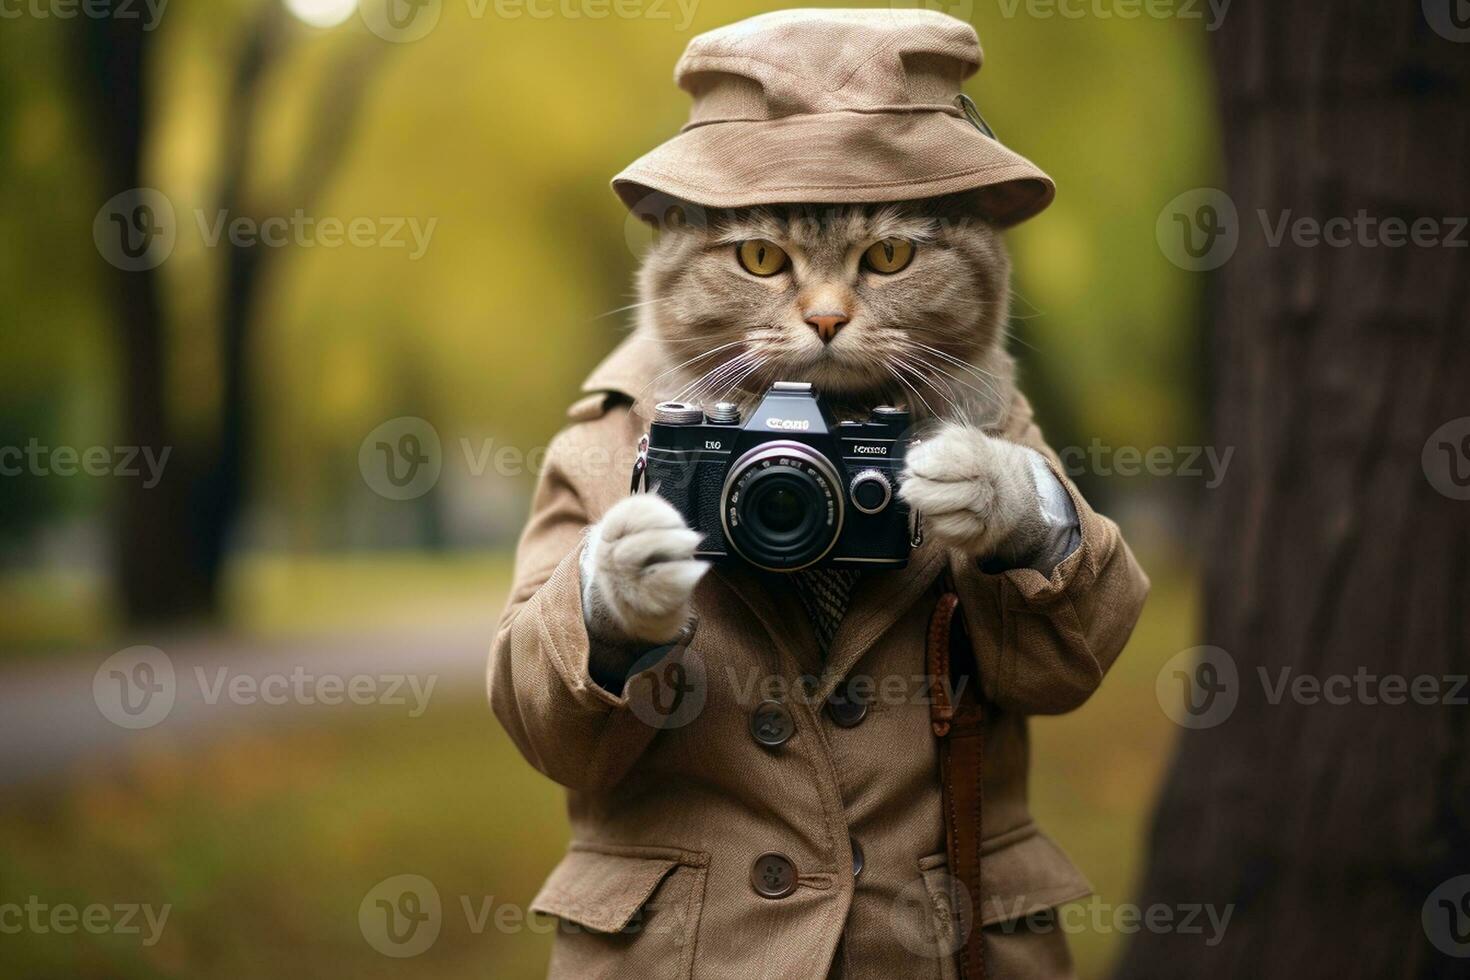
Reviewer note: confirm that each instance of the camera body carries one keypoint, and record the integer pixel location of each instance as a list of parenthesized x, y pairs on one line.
[(786, 488)]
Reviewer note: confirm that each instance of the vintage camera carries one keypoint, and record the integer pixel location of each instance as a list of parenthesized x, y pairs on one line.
[(787, 488)]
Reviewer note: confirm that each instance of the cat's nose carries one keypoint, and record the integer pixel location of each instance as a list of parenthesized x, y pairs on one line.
[(826, 324)]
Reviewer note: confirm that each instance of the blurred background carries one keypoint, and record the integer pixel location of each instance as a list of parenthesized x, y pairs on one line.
[(239, 238)]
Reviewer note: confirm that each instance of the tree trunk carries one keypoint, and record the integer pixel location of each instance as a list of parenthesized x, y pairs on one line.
[(1337, 544), (171, 541), (153, 564)]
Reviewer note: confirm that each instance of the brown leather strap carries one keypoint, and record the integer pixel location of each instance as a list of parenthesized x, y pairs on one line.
[(958, 726)]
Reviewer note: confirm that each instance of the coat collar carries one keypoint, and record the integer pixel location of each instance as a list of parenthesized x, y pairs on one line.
[(629, 371)]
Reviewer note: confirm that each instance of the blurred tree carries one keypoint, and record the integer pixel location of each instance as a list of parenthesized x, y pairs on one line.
[(171, 541), (155, 567), (1326, 824)]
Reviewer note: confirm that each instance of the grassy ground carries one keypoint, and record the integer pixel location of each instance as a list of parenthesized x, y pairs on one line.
[(264, 596), (266, 841)]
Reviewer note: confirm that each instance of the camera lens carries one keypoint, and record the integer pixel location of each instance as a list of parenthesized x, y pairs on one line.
[(781, 508)]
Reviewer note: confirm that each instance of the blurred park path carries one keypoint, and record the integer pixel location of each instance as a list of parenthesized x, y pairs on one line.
[(55, 712)]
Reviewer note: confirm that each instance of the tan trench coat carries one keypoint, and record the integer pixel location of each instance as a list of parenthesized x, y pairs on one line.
[(670, 812)]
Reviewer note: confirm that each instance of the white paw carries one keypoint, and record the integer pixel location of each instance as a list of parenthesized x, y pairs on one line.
[(642, 570), (974, 491)]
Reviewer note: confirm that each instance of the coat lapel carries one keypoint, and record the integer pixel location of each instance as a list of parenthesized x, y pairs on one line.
[(774, 603), (879, 601)]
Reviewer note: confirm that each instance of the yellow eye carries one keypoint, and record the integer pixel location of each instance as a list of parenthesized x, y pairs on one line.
[(760, 257), (890, 255)]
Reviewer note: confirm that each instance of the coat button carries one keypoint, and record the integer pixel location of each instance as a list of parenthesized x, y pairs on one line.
[(857, 857), (846, 709), (771, 723), (773, 876)]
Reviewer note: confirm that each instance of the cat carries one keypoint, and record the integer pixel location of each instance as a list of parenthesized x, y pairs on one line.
[(903, 303)]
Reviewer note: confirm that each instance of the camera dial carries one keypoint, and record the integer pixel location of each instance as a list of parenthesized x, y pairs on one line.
[(677, 413), (870, 491), (723, 413)]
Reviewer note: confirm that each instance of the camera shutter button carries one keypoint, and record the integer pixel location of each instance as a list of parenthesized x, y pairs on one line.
[(870, 491)]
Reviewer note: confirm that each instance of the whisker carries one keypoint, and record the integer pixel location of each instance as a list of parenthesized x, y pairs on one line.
[(925, 380), (632, 306), (935, 381), (983, 376), (713, 376), (957, 361), (919, 358), (735, 385), (696, 357), (905, 383)]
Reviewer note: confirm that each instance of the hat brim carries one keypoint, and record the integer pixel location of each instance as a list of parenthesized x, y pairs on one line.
[(839, 158)]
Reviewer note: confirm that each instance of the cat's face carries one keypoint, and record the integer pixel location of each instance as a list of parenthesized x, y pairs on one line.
[(874, 303)]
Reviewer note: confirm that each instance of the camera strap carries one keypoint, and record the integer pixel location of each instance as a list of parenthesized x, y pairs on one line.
[(640, 467), (958, 726)]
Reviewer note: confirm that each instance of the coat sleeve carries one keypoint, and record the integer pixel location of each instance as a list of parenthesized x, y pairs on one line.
[(1044, 642), (576, 732)]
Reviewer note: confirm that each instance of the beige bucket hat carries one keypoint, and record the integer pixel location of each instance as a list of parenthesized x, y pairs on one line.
[(835, 106)]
